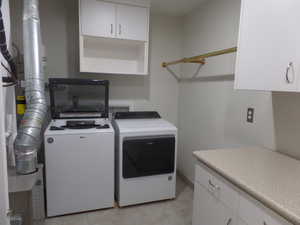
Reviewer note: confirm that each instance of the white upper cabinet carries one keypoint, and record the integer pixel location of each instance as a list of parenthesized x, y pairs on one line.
[(132, 22), (114, 36), (114, 20), (268, 48), (98, 18)]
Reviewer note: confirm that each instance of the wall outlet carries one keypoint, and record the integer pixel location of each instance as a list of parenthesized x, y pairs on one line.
[(250, 115)]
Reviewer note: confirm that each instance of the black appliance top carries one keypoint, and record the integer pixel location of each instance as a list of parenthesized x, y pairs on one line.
[(80, 124), (137, 115)]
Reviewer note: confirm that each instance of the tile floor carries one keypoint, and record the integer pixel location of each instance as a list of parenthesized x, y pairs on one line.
[(173, 212)]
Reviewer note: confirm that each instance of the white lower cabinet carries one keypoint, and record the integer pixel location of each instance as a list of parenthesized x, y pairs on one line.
[(208, 210), (265, 219), (270, 218), (241, 222), (218, 202)]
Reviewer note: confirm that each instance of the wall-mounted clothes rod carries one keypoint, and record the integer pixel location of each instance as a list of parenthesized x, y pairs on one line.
[(200, 58)]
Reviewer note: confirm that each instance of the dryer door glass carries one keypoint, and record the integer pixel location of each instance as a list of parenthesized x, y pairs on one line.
[(146, 156)]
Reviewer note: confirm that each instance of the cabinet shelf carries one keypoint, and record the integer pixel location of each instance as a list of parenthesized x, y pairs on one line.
[(113, 56)]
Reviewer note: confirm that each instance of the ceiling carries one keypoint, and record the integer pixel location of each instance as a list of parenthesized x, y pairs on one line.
[(175, 7)]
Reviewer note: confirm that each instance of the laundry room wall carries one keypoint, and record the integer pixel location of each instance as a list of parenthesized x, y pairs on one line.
[(287, 123), (158, 91), (211, 114)]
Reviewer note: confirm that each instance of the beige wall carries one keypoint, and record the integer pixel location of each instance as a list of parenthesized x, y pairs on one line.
[(211, 114), (287, 123), (158, 91)]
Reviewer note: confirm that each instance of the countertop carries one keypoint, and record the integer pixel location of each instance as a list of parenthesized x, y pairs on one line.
[(268, 176)]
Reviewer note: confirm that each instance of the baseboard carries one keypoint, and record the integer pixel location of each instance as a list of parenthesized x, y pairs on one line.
[(185, 179)]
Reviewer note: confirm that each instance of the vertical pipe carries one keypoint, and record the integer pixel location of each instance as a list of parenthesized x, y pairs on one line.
[(28, 140)]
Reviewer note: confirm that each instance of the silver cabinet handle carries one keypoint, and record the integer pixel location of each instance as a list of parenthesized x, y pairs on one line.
[(9, 212), (111, 28), (213, 185), (120, 29), (229, 221), (290, 66)]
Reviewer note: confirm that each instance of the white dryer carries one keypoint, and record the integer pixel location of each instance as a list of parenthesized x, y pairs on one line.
[(146, 148)]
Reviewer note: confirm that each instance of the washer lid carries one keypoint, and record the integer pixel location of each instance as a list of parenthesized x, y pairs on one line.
[(144, 125), (62, 122)]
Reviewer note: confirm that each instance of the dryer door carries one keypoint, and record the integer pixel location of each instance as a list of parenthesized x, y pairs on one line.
[(146, 156)]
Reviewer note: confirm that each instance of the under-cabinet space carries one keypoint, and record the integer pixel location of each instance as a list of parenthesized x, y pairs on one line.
[(104, 55)]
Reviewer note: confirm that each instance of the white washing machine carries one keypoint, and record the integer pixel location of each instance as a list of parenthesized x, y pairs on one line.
[(79, 165), (79, 148), (146, 149)]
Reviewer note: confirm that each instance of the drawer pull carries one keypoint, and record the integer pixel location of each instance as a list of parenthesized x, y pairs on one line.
[(111, 29), (265, 223), (213, 185), (229, 221), (287, 78)]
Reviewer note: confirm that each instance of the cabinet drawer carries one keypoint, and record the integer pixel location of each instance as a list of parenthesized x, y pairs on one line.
[(249, 211), (252, 211), (210, 211), (202, 176), (217, 187), (270, 218)]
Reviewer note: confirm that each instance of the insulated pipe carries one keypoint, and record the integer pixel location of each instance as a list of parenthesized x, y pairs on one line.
[(28, 140)]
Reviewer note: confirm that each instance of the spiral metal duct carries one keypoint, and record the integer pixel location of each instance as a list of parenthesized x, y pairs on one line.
[(28, 140)]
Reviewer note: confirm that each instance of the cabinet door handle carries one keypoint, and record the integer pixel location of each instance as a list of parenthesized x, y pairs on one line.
[(120, 29), (265, 223), (9, 212), (213, 185), (288, 80), (229, 221), (111, 28)]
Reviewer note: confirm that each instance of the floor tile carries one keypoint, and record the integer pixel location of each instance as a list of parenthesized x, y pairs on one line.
[(171, 212)]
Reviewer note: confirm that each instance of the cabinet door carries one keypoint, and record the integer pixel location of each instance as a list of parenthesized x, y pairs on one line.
[(251, 212), (267, 47), (242, 222), (98, 18), (132, 22), (271, 218), (208, 210)]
